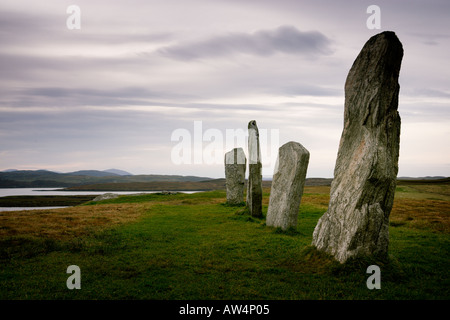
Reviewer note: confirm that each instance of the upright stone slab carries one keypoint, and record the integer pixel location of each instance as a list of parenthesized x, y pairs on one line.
[(254, 185), (287, 186), (362, 192), (235, 165)]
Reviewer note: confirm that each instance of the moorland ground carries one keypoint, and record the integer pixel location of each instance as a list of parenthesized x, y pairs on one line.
[(195, 246)]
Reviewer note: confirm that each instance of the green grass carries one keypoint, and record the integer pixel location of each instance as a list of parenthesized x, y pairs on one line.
[(194, 246)]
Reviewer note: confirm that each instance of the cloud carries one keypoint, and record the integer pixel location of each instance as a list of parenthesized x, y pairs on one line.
[(306, 90), (431, 39), (101, 97), (284, 39), (38, 28), (427, 92), (117, 88)]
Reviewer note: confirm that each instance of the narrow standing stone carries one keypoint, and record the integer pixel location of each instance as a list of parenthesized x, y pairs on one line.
[(287, 186), (362, 192), (254, 187), (235, 164)]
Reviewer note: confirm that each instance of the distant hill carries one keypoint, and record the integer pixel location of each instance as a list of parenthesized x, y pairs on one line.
[(318, 181), (118, 172), (422, 178), (206, 185), (423, 181), (203, 185), (114, 179), (92, 173), (97, 173), (50, 179)]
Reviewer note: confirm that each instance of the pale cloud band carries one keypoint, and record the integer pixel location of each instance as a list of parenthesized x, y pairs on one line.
[(284, 39)]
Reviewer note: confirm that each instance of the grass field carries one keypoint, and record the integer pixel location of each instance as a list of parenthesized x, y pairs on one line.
[(194, 246)]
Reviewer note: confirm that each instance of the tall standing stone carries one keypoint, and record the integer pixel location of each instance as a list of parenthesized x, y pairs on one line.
[(362, 192), (235, 164), (254, 186), (287, 186)]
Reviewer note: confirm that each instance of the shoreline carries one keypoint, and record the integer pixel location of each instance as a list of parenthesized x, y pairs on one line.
[(44, 201)]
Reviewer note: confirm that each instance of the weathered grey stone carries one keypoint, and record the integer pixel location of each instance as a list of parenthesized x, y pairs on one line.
[(235, 165), (105, 196), (362, 192), (287, 186), (165, 192), (254, 185)]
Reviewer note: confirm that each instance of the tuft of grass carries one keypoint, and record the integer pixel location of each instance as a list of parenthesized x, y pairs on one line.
[(241, 204), (289, 232), (68, 222), (397, 223), (13, 248), (424, 214)]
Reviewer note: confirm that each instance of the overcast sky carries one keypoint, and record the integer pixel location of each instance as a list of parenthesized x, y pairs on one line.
[(117, 92)]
